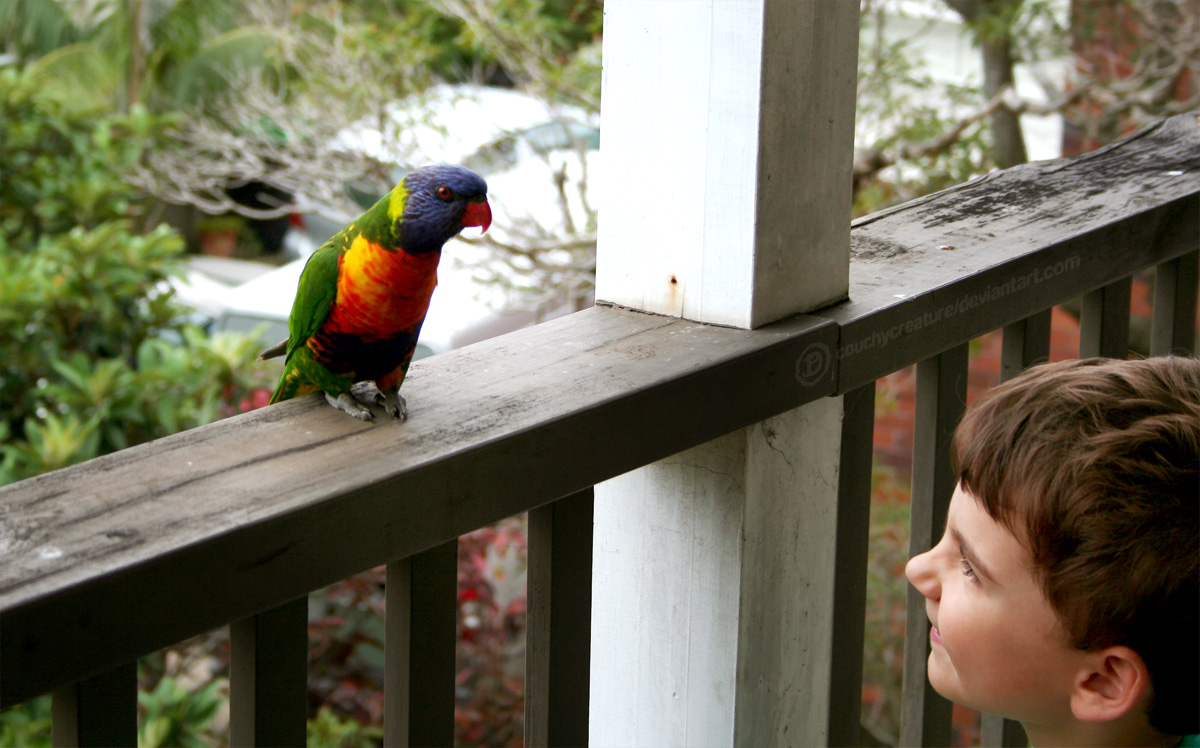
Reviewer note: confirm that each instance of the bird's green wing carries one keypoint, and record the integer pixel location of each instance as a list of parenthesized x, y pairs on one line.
[(315, 294)]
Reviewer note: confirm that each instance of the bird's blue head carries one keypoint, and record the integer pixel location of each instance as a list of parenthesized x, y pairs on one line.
[(432, 204)]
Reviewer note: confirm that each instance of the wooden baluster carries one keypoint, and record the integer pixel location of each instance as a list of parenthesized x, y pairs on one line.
[(1173, 329), (850, 566), (997, 732), (99, 711), (941, 394), (1025, 343), (420, 638), (1104, 321), (268, 678), (558, 633)]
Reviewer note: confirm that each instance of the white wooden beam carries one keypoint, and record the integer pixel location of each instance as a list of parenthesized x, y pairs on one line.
[(712, 589), (665, 581), (728, 131), (727, 153)]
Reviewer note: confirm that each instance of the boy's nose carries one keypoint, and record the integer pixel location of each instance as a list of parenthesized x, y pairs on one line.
[(921, 573)]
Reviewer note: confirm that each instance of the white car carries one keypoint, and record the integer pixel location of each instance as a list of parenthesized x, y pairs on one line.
[(516, 142)]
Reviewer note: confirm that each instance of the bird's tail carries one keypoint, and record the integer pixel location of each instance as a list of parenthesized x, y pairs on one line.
[(280, 392), (278, 349), (291, 385)]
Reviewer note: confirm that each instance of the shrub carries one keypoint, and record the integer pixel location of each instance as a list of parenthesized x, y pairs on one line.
[(95, 354)]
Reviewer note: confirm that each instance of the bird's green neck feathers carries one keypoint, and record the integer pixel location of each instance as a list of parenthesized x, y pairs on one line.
[(379, 223)]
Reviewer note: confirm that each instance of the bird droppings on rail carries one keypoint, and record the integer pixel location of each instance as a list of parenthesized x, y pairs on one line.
[(638, 352), (1014, 191), (863, 247)]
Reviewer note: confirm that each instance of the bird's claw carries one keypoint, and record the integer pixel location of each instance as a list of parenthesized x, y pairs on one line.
[(347, 402), (393, 403)]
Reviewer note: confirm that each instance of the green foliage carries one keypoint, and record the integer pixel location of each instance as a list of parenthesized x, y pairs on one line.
[(991, 20), (80, 75), (551, 45), (899, 105), (328, 730), (95, 355), (33, 27), (63, 165), (172, 715), (406, 29), (119, 54), (26, 725), (1038, 31), (215, 65)]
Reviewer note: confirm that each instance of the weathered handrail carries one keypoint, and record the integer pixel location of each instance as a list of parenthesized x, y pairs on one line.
[(246, 514), (954, 265)]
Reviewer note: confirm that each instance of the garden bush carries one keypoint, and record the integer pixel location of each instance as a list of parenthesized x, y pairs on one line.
[(95, 354)]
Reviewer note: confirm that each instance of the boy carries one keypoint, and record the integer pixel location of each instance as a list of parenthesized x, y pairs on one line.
[(1064, 593)]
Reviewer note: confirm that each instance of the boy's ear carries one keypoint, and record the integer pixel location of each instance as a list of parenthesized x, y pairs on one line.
[(1113, 681)]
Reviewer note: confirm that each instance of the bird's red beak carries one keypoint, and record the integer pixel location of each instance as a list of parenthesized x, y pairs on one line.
[(478, 214)]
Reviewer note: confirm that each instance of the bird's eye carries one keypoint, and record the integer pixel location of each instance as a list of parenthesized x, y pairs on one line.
[(444, 193)]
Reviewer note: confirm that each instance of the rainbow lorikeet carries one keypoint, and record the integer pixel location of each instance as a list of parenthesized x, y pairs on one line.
[(364, 293)]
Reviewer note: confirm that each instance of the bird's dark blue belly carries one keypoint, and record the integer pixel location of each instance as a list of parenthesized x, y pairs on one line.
[(367, 359)]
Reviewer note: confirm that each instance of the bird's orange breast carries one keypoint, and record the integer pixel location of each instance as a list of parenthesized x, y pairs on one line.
[(381, 293)]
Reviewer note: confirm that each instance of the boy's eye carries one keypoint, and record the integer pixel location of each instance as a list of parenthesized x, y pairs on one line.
[(967, 571)]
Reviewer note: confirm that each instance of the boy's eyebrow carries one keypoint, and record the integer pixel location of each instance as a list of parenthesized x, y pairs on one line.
[(965, 548)]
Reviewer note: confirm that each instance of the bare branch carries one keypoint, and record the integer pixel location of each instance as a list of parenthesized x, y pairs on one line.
[(524, 56), (277, 128), (1148, 92)]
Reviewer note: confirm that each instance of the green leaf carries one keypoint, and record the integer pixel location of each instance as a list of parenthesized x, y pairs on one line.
[(79, 76), (218, 61), (34, 27)]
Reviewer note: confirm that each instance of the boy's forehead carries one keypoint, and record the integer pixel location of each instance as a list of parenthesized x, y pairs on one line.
[(1014, 522)]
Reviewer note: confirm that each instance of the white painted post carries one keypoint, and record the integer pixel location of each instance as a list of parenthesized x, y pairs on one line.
[(728, 137), (727, 151)]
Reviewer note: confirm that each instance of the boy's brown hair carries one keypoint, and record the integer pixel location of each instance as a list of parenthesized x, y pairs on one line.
[(1094, 465)]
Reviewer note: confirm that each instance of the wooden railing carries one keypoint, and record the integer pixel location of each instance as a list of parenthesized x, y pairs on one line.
[(237, 521)]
